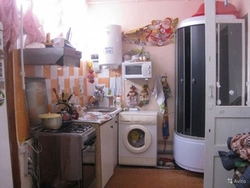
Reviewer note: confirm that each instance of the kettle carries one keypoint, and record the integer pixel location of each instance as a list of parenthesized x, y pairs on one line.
[(75, 114), (66, 114)]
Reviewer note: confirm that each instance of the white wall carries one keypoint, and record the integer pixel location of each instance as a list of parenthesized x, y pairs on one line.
[(132, 15), (242, 6)]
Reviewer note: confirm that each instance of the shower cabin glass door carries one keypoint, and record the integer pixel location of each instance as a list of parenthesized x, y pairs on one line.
[(231, 86), (191, 80)]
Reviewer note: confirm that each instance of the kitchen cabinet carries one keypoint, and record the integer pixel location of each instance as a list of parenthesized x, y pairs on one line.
[(108, 144)]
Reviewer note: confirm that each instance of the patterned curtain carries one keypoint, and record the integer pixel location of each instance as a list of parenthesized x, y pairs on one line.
[(56, 17), (40, 17), (9, 19)]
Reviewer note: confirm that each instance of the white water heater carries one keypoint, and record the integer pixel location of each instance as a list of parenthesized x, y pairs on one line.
[(110, 55)]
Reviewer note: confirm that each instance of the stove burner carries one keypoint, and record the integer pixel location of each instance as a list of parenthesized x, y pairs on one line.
[(72, 128), (51, 130), (76, 128)]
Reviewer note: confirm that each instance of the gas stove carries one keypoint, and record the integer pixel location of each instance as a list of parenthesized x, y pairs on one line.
[(72, 128), (64, 150), (86, 132)]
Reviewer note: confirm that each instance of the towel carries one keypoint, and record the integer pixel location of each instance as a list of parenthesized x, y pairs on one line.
[(70, 157), (165, 128), (158, 93)]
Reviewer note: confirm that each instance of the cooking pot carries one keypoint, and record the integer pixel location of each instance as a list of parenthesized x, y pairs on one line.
[(51, 120)]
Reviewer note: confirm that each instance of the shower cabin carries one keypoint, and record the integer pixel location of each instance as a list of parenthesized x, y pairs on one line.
[(189, 134)]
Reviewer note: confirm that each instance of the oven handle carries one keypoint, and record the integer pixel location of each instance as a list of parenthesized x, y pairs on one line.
[(88, 148)]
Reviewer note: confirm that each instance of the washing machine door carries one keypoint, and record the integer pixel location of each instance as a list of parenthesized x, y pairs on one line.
[(137, 138)]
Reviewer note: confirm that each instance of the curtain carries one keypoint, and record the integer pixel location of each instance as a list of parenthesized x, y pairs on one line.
[(10, 21), (40, 17), (55, 17)]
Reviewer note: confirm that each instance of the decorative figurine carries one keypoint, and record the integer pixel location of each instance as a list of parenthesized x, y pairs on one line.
[(99, 93), (90, 70), (132, 96), (144, 99)]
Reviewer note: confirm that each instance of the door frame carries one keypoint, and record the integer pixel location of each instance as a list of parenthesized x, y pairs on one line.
[(216, 116)]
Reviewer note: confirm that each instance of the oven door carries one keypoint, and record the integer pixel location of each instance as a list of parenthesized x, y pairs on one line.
[(88, 166)]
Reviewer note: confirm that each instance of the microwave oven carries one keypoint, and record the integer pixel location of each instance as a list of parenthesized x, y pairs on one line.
[(131, 70)]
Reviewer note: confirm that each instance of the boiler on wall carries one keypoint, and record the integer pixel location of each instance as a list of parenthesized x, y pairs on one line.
[(110, 55)]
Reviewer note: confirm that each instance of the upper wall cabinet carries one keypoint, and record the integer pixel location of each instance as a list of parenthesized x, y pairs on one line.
[(52, 56)]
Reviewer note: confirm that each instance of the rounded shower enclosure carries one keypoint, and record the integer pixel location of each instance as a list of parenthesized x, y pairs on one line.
[(189, 134), (190, 94)]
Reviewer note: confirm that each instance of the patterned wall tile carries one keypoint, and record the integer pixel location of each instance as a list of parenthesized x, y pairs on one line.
[(30, 70), (71, 71), (47, 71), (66, 85), (39, 71), (60, 71), (54, 72), (104, 81)]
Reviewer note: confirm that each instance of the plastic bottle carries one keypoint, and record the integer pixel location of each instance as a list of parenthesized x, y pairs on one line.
[(118, 102)]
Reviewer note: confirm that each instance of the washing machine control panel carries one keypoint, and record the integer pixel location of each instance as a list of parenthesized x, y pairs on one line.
[(141, 119)]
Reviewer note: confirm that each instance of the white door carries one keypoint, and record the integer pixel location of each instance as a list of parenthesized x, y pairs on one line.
[(227, 96), (5, 162), (137, 138)]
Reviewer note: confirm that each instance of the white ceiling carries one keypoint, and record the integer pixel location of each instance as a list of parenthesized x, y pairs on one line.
[(124, 1)]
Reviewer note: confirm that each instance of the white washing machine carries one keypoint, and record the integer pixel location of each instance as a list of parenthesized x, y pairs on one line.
[(138, 138)]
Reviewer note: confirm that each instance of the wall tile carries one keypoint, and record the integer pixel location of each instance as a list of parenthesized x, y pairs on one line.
[(71, 71), (47, 71), (66, 71), (29, 70), (66, 85), (52, 73), (60, 71), (39, 71), (104, 81)]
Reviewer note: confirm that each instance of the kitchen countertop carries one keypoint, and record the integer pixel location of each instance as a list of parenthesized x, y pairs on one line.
[(97, 117)]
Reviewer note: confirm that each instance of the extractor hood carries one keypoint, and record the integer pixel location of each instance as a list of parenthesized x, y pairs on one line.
[(64, 56)]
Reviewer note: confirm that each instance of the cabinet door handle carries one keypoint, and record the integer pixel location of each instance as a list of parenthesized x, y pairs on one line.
[(182, 80), (193, 81)]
